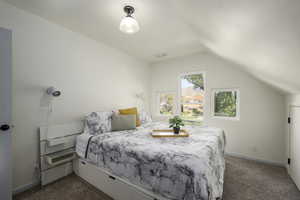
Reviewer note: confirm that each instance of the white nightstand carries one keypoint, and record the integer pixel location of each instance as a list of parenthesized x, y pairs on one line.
[(57, 150)]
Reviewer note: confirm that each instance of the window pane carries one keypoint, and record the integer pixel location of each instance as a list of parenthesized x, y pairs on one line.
[(192, 96), (192, 112), (225, 104), (166, 104)]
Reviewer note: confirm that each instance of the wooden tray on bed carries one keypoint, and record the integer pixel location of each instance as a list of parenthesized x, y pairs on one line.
[(169, 133)]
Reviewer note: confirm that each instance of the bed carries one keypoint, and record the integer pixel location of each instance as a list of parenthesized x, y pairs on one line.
[(171, 168)]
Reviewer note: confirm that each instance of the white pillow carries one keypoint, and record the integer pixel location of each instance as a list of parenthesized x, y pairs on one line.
[(98, 122)]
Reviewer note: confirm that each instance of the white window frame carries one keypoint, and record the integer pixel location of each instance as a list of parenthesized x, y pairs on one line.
[(179, 91), (158, 103), (237, 117)]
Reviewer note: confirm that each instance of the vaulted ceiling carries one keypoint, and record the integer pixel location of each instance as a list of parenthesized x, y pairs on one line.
[(262, 36)]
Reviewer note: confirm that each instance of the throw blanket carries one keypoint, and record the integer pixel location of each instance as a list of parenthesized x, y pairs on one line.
[(176, 168)]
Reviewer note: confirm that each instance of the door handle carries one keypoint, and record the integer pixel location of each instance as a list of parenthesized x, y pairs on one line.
[(4, 127)]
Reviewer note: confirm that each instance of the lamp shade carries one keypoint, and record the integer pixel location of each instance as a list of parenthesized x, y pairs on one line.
[(129, 25)]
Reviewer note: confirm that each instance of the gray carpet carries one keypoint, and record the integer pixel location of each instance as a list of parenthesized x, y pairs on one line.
[(244, 180), (249, 180)]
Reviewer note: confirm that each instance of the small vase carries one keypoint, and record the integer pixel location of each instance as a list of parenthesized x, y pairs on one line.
[(176, 130)]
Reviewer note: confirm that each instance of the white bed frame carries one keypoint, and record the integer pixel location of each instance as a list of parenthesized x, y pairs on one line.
[(115, 187)]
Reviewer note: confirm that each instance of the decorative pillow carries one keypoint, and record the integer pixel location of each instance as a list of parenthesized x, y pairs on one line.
[(123, 122), (131, 111), (144, 117), (98, 122)]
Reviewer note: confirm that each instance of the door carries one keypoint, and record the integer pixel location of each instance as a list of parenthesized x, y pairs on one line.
[(295, 144), (5, 114)]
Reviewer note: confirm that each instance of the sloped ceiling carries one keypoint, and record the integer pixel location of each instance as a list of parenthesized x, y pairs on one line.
[(263, 36)]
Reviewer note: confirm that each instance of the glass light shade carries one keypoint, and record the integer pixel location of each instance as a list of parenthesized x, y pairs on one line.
[(129, 25)]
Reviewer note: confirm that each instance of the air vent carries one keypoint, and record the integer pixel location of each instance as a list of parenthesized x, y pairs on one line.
[(161, 55)]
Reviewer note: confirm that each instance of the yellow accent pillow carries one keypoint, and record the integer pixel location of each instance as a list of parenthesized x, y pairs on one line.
[(131, 111)]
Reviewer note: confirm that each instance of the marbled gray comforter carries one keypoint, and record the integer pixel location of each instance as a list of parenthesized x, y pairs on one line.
[(176, 168)]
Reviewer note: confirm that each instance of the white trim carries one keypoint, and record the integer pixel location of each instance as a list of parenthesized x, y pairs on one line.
[(238, 155), (290, 106), (178, 112), (157, 107), (289, 138), (213, 91), (25, 187)]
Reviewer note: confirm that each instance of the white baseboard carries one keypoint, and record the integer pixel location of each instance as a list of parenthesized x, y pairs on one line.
[(238, 155), (25, 187)]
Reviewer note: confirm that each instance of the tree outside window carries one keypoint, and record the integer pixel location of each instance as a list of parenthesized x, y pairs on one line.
[(192, 97), (226, 103), (166, 103)]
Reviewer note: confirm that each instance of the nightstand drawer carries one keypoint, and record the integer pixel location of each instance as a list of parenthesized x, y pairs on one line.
[(69, 142), (58, 158), (56, 173)]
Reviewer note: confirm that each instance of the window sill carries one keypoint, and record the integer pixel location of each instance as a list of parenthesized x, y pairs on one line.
[(193, 123), (226, 118)]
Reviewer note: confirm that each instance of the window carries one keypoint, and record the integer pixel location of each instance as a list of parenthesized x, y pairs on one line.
[(192, 97), (226, 103), (166, 104)]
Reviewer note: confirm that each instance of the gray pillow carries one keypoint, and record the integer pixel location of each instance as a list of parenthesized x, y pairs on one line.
[(123, 122)]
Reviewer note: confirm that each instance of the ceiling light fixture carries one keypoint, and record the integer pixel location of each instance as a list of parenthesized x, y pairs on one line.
[(128, 24)]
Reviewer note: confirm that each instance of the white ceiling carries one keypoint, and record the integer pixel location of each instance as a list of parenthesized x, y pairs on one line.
[(263, 36)]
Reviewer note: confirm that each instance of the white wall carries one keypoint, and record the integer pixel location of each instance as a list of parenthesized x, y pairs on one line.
[(259, 134), (293, 99), (92, 77)]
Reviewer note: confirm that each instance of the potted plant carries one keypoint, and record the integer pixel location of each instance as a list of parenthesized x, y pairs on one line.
[(175, 123)]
